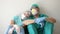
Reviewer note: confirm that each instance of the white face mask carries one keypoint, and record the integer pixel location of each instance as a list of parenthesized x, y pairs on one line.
[(34, 11), (23, 17)]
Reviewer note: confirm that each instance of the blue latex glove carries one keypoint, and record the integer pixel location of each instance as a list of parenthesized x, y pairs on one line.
[(40, 21)]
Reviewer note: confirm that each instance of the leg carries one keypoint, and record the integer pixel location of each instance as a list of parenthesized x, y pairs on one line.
[(11, 30), (19, 30), (26, 30), (8, 29), (22, 30), (32, 29)]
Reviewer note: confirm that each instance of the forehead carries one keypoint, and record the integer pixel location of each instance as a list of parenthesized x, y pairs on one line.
[(36, 9)]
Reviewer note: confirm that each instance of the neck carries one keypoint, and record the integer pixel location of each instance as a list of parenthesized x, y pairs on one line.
[(36, 16)]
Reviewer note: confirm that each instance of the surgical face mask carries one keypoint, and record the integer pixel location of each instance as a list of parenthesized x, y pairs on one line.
[(23, 17), (34, 12)]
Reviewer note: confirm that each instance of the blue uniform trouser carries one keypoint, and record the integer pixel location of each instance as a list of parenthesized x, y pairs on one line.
[(14, 32)]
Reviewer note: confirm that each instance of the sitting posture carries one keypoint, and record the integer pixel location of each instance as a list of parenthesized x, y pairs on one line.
[(19, 27), (35, 22)]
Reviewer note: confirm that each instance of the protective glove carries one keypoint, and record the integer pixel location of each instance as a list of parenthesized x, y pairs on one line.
[(40, 21)]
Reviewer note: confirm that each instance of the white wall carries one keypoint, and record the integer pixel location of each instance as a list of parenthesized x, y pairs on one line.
[(9, 8)]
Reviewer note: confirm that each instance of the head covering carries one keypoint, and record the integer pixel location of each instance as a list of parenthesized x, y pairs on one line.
[(34, 6)]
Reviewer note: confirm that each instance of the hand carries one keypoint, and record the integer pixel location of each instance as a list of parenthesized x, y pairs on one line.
[(11, 30), (12, 22), (26, 22), (17, 28), (50, 19)]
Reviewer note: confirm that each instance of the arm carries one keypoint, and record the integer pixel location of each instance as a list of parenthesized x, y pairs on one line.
[(51, 19), (27, 22)]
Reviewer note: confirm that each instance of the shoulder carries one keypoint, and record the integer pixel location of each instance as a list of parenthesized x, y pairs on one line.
[(43, 15), (17, 17)]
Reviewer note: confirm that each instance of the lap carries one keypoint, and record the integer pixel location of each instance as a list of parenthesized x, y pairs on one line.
[(34, 28)]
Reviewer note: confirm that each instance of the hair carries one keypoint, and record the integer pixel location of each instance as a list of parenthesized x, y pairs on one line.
[(29, 12), (34, 6)]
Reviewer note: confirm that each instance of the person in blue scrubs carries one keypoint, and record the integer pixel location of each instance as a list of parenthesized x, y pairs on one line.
[(17, 25), (33, 27)]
